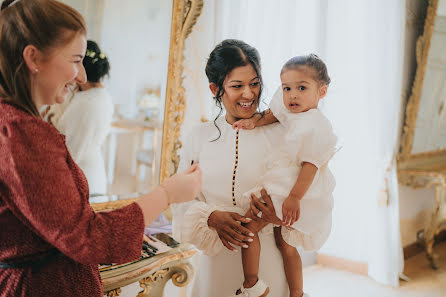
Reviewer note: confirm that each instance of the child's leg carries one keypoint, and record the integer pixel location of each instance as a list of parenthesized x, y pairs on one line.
[(251, 255), (292, 264)]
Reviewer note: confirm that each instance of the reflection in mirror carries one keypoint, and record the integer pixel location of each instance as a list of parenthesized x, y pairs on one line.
[(430, 127), (135, 37)]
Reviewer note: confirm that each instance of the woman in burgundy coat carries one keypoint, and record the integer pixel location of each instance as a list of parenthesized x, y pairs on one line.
[(51, 240)]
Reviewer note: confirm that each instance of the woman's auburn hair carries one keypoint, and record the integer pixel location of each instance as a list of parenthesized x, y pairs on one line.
[(45, 24)]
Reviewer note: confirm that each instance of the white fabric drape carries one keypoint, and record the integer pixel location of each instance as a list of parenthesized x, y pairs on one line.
[(362, 44)]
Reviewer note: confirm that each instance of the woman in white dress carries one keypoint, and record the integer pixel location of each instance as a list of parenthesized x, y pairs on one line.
[(232, 163), (86, 118)]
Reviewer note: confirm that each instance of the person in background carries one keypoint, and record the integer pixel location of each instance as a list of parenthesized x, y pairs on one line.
[(91, 108), (51, 240)]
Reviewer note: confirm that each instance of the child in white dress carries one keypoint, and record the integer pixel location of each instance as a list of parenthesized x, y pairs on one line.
[(297, 177)]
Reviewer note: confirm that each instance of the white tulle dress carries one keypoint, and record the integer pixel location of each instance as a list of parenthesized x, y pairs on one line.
[(219, 270), (308, 137), (85, 120)]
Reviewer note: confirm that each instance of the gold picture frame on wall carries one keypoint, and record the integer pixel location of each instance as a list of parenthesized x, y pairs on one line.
[(185, 14)]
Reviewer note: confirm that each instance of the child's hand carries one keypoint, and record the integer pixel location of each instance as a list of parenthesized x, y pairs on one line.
[(290, 210), (247, 124)]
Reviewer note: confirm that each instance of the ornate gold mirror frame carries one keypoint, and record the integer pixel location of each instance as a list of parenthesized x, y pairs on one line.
[(424, 169), (406, 158), (184, 16)]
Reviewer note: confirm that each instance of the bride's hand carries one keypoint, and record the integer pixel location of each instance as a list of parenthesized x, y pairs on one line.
[(267, 208), (229, 228)]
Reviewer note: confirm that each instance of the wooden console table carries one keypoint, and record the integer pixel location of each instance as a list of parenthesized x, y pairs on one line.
[(152, 273)]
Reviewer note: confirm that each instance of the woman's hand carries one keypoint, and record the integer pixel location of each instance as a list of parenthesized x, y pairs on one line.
[(291, 210), (229, 228), (267, 208), (183, 186)]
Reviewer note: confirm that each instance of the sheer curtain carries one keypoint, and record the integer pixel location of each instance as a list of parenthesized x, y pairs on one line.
[(362, 44)]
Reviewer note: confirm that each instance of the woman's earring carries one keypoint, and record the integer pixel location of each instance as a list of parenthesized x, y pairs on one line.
[(36, 70)]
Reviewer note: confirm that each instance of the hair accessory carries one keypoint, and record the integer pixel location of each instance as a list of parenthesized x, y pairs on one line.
[(92, 55), (13, 2)]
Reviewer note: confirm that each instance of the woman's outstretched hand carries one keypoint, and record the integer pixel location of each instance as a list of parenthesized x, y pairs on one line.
[(229, 228), (183, 186), (267, 208)]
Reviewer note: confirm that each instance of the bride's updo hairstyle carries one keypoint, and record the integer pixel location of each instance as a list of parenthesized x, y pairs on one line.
[(46, 24), (227, 55), (95, 62)]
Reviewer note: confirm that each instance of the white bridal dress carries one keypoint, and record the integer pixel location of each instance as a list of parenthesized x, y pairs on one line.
[(85, 120), (219, 272)]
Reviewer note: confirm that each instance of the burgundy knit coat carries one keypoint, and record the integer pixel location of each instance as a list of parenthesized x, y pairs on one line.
[(44, 206)]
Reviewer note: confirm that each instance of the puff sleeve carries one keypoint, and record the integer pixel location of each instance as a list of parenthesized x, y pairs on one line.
[(277, 107), (190, 219), (315, 137)]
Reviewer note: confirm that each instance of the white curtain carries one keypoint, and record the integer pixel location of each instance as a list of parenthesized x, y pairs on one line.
[(362, 44)]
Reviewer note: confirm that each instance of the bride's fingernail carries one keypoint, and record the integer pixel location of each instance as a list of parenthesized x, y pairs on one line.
[(245, 246), (251, 234), (250, 239), (249, 219)]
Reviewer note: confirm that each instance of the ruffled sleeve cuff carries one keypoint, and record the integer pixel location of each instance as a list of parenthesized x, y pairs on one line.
[(196, 230)]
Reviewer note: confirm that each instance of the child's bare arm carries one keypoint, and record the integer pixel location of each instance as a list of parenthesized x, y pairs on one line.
[(265, 117), (291, 205), (304, 180)]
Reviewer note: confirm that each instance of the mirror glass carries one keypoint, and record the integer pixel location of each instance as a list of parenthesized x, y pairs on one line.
[(135, 37), (430, 127)]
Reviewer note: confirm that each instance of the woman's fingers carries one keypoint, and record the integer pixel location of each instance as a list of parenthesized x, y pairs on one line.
[(266, 197), (231, 238), (194, 167), (240, 218), (226, 243), (258, 204), (253, 208)]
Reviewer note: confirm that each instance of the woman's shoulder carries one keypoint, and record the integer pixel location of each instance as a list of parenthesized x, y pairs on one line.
[(93, 95), (91, 100), (15, 122)]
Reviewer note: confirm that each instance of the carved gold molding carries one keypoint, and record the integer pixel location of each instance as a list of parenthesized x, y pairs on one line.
[(184, 16), (114, 293), (147, 282), (422, 51)]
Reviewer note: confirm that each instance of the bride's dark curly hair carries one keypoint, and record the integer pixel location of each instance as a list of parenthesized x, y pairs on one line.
[(95, 62), (227, 55)]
